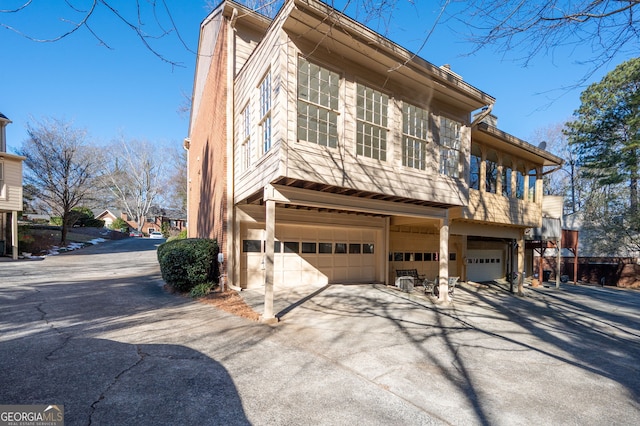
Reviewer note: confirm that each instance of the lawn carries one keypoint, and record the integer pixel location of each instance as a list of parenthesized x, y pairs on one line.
[(38, 240)]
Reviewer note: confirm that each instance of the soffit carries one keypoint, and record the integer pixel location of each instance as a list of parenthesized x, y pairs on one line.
[(300, 194)]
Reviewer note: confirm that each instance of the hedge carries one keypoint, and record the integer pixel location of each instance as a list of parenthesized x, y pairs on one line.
[(186, 263)]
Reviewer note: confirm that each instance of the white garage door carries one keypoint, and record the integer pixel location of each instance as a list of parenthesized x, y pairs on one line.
[(318, 255), (485, 265)]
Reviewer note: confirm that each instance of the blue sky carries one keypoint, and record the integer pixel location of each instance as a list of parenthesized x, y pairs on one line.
[(127, 91)]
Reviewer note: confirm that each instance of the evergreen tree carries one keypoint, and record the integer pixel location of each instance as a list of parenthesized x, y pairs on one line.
[(606, 138)]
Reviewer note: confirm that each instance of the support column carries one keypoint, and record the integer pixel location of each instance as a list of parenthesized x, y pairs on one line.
[(558, 262), (443, 271), (14, 235), (270, 228), (521, 263)]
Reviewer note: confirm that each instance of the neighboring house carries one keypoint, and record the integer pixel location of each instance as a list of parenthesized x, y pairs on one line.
[(10, 194), (321, 152), (595, 264), (108, 217), (153, 223)]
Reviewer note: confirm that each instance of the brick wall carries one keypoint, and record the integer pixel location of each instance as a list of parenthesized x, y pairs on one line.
[(207, 212)]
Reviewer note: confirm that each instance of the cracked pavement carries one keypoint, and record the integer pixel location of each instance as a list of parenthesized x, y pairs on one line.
[(94, 331)]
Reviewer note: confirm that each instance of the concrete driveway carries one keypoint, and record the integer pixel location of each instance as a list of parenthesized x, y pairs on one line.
[(93, 330)]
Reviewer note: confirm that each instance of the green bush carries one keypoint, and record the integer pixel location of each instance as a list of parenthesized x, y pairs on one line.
[(118, 224), (186, 263), (201, 290)]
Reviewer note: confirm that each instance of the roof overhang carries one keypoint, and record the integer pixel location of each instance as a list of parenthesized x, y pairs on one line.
[(488, 135), (340, 35)]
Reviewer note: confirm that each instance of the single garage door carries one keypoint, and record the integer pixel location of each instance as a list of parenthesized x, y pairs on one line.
[(485, 265), (312, 255)]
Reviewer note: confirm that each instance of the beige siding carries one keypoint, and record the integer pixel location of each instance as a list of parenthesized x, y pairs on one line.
[(11, 196), (492, 208), (339, 166), (270, 56)]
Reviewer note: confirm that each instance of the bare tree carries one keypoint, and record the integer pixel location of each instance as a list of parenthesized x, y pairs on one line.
[(606, 28), (175, 194), (60, 167), (566, 181), (133, 172), (149, 21)]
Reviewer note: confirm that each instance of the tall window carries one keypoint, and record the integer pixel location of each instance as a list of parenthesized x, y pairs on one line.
[(520, 185), (474, 176), (371, 123), (415, 127), (246, 138), (533, 176), (506, 181), (318, 90), (265, 112), (492, 176), (450, 146)]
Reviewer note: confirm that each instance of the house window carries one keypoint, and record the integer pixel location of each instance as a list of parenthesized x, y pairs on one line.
[(450, 146), (246, 138), (265, 112), (492, 176), (520, 185), (317, 104), (506, 181), (474, 175), (415, 128), (371, 123), (533, 176)]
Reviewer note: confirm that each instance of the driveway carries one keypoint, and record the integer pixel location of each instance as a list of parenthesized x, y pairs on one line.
[(93, 330)]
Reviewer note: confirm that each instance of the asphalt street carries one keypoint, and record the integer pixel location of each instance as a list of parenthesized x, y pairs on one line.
[(93, 330)]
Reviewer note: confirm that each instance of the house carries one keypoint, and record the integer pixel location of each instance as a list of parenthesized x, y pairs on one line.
[(153, 223), (10, 194), (108, 217), (321, 152)]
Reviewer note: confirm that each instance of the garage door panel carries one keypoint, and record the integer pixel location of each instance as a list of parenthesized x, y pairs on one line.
[(485, 265)]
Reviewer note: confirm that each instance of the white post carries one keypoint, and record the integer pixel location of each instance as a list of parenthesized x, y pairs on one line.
[(14, 235), (443, 270), (270, 227)]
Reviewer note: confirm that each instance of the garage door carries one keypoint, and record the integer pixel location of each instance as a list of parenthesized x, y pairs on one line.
[(318, 255), (485, 265)]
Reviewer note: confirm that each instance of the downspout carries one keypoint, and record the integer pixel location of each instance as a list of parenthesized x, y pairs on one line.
[(186, 144), (485, 112)]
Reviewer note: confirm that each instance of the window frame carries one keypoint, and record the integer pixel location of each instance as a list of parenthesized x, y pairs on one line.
[(450, 147), (265, 112), (371, 126), (321, 108), (245, 142), (415, 138)]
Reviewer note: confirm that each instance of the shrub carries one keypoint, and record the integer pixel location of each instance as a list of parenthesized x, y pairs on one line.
[(186, 263), (201, 290), (118, 224), (165, 229)]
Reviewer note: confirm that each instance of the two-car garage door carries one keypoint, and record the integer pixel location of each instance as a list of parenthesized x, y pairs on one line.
[(304, 254)]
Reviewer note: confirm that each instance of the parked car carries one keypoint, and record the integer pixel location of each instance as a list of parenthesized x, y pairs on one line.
[(155, 234), (135, 233)]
